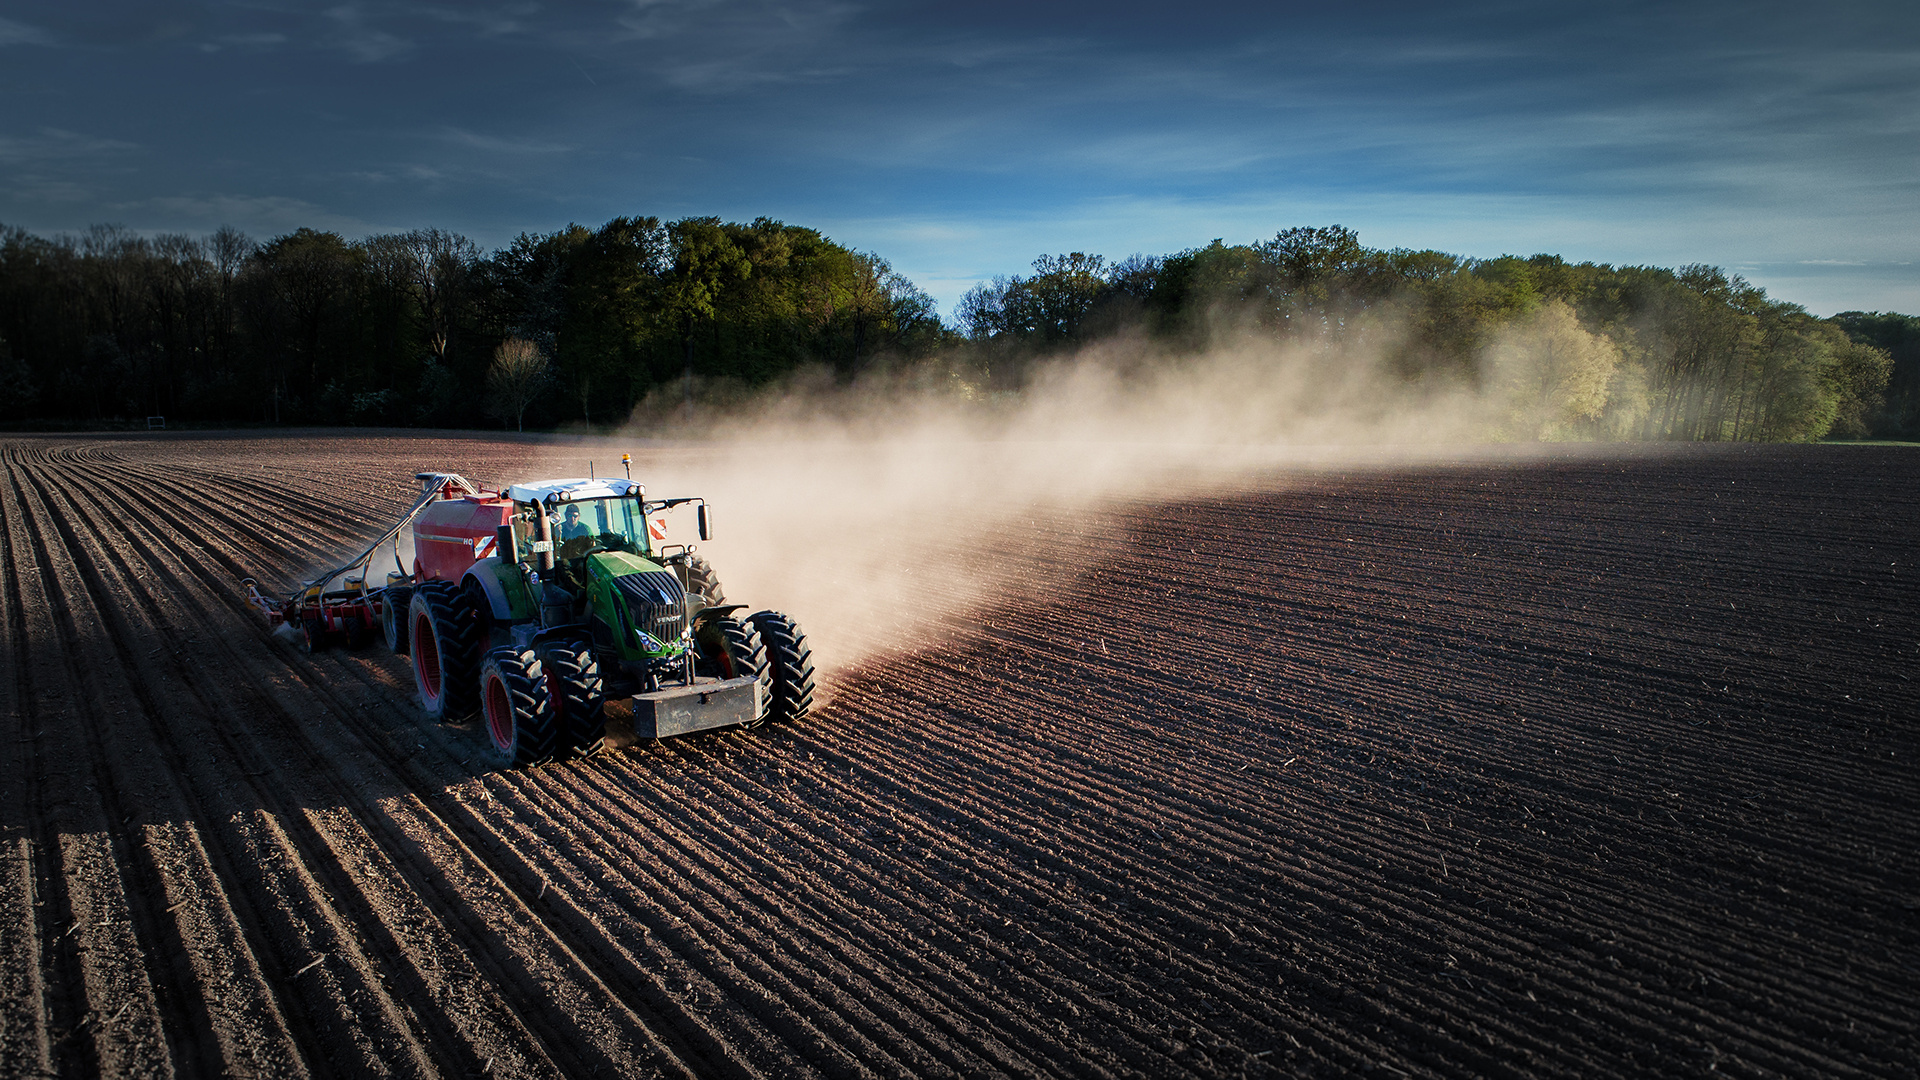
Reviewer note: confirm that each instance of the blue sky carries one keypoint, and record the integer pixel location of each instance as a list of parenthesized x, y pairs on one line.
[(961, 141)]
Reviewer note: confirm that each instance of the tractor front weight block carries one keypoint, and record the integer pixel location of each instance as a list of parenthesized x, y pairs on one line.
[(708, 703)]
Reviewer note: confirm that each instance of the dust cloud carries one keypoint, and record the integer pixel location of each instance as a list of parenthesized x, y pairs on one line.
[(878, 513)]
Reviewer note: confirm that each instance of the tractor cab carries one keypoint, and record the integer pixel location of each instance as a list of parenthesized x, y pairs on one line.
[(567, 520)]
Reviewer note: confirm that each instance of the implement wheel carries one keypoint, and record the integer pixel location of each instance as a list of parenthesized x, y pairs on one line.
[(444, 636), (574, 690), (393, 618), (521, 727), (313, 633), (789, 665)]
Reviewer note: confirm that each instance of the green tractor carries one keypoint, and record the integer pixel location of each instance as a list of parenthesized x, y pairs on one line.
[(536, 604)]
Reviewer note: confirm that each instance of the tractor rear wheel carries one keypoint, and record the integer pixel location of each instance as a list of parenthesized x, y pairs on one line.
[(445, 641), (573, 688), (697, 576), (521, 727), (393, 618), (789, 665)]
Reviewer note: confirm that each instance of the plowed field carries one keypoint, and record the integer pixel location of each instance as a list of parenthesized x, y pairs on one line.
[(1593, 766)]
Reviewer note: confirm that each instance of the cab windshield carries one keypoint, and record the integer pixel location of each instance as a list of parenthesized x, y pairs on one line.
[(589, 525)]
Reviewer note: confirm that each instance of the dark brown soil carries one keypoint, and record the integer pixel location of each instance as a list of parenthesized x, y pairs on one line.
[(1597, 766)]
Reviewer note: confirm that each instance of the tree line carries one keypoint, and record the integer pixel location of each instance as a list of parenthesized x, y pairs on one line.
[(404, 328), (1582, 350), (580, 325)]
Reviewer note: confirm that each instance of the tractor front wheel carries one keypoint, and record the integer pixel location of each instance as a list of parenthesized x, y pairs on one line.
[(697, 576), (789, 665), (445, 641), (574, 689), (731, 649), (521, 727)]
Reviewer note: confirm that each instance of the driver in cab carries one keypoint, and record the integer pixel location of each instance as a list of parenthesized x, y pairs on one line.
[(572, 528)]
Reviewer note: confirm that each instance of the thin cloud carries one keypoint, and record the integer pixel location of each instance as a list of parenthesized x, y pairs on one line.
[(263, 215), (399, 174), (19, 33), (368, 44), (498, 145), (264, 40), (30, 189), (718, 48), (492, 22), (54, 144)]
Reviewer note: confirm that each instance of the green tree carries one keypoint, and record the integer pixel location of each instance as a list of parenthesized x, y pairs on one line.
[(1552, 375), (611, 287), (705, 261), (1858, 374), (1899, 337)]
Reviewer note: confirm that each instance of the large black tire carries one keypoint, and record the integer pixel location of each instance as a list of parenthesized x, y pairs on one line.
[(444, 637), (573, 688), (521, 727), (731, 649), (393, 618), (697, 576), (789, 665)]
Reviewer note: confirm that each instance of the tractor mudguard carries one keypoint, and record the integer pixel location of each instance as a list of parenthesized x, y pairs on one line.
[(506, 590), (575, 634), (702, 616)]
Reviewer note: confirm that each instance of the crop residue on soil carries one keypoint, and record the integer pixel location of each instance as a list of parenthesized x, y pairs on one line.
[(1582, 766)]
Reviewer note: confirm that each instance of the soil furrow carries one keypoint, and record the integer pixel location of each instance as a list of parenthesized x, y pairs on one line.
[(1590, 765)]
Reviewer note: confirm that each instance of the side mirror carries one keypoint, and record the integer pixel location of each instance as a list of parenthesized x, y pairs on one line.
[(706, 522), (504, 545)]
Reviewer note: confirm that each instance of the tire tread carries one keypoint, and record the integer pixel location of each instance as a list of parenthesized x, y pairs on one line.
[(536, 732), (579, 697), (789, 666), (456, 626)]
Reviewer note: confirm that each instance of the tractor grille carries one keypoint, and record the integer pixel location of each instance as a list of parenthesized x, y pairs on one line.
[(655, 603)]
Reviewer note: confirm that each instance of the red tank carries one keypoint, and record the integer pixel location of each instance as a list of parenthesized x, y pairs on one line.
[(453, 534)]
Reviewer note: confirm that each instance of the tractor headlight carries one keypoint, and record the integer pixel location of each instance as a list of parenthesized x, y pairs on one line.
[(648, 643)]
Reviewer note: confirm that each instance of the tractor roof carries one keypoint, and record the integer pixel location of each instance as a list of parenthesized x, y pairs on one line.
[(574, 490)]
